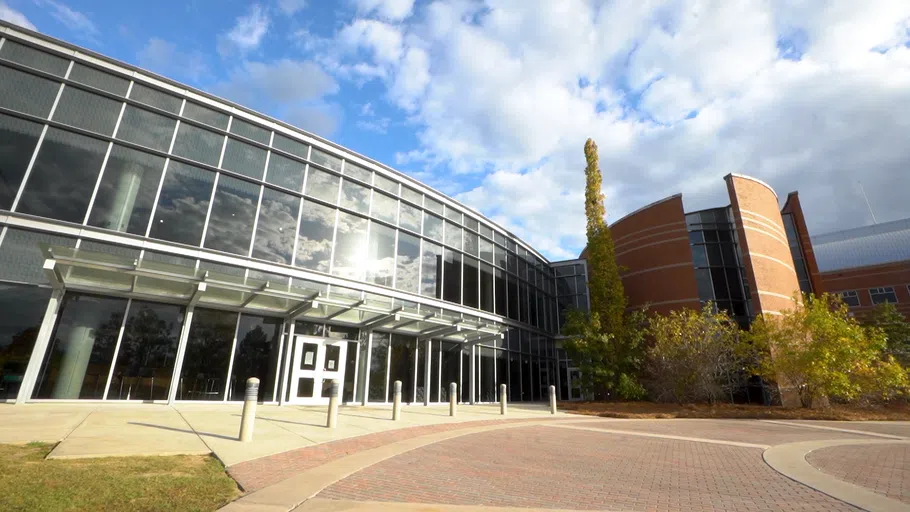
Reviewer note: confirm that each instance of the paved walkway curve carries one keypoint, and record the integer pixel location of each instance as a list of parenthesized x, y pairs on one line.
[(790, 460), (304, 490)]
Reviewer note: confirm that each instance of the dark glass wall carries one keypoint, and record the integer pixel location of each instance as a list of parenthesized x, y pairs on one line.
[(21, 310), (148, 351), (208, 353), (256, 355)]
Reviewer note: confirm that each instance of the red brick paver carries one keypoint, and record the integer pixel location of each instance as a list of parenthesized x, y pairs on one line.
[(883, 468), (265, 471), (538, 466), (743, 431)]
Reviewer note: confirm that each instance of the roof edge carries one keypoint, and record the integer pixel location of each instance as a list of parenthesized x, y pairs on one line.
[(643, 208)]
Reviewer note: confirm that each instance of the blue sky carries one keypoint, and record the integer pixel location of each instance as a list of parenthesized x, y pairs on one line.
[(491, 101)]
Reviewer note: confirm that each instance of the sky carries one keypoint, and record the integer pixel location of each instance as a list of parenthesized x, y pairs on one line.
[(491, 101)]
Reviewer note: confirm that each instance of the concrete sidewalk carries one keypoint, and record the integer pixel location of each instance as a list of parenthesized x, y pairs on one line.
[(100, 430)]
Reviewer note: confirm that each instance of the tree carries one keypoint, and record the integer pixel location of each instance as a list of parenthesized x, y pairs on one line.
[(605, 343), (896, 329), (819, 350), (697, 356)]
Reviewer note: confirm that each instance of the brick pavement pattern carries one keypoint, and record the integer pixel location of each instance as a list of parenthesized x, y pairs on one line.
[(260, 473), (543, 467), (743, 431), (884, 469)]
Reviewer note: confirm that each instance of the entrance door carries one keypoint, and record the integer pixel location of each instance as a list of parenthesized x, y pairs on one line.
[(317, 361)]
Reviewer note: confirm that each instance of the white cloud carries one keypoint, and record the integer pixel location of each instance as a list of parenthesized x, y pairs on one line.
[(73, 20), (165, 58), (381, 39), (11, 15), (510, 89), (247, 33), (392, 10), (291, 7)]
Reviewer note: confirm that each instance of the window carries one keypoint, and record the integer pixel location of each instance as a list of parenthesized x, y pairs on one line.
[(401, 366), (452, 277), (411, 195), (256, 355), (26, 93), (79, 356), (205, 115), (432, 205), (486, 250), (146, 128), (350, 246), (514, 304), (486, 287), (385, 184), (432, 227), (358, 173), (355, 197), (250, 131), (198, 144), (453, 215), (431, 270), (408, 263), (28, 56), (470, 243), (87, 111), (326, 160), (882, 295), (850, 298), (314, 240), (285, 172), (322, 185), (21, 256), (453, 235), (277, 226), (145, 360), (183, 204), (17, 144), (155, 98), (471, 287), (233, 212), (409, 217), (381, 255), (127, 191), (290, 146), (208, 354), (63, 176), (379, 355), (244, 158), (501, 291), (384, 207), (21, 311)]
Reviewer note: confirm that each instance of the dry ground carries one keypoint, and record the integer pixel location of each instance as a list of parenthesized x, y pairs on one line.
[(651, 410)]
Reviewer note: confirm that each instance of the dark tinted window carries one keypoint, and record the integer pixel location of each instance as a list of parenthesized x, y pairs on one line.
[(63, 177), (155, 98), (452, 277), (256, 355), (233, 212), (26, 93), (379, 367), (145, 360), (471, 287), (285, 172), (314, 244), (486, 287), (277, 226), (146, 128), (127, 191), (205, 115), (21, 311), (501, 289), (244, 158), (401, 367), (208, 353), (198, 144), (250, 131), (88, 111), (183, 204), (17, 144), (408, 267), (290, 146), (28, 56)]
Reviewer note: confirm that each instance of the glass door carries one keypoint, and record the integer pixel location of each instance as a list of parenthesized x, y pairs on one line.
[(317, 361), (574, 384)]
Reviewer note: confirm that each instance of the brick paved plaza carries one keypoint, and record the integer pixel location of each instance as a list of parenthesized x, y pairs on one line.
[(578, 463)]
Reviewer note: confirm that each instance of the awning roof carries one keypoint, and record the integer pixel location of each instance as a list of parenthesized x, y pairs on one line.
[(82, 270)]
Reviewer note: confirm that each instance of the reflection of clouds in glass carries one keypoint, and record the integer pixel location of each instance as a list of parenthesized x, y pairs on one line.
[(244, 158), (432, 227), (127, 191), (431, 270), (355, 197), (183, 204), (380, 271), (408, 263), (314, 243), (409, 217), (322, 185), (325, 160), (285, 172), (350, 246), (384, 207), (275, 230), (231, 223), (358, 172), (146, 128), (380, 264), (198, 144), (453, 235)]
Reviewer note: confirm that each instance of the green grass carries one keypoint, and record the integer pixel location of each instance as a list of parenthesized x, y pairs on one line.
[(182, 482)]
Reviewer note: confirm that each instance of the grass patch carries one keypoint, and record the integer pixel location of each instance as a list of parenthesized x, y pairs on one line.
[(650, 410), (182, 482)]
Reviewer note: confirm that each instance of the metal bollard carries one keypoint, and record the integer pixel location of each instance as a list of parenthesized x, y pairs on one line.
[(248, 417), (503, 400), (453, 399), (396, 401), (332, 420), (552, 399)]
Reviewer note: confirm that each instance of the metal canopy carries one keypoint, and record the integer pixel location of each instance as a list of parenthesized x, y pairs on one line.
[(76, 269)]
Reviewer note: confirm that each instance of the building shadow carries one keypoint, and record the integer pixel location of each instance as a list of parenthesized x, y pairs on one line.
[(186, 431)]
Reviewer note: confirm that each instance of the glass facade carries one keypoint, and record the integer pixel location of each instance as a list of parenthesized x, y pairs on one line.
[(194, 234)]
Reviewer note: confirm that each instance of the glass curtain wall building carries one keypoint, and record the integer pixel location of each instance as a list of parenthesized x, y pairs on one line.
[(160, 244)]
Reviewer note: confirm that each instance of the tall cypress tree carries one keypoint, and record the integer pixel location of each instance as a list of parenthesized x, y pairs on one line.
[(608, 299)]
